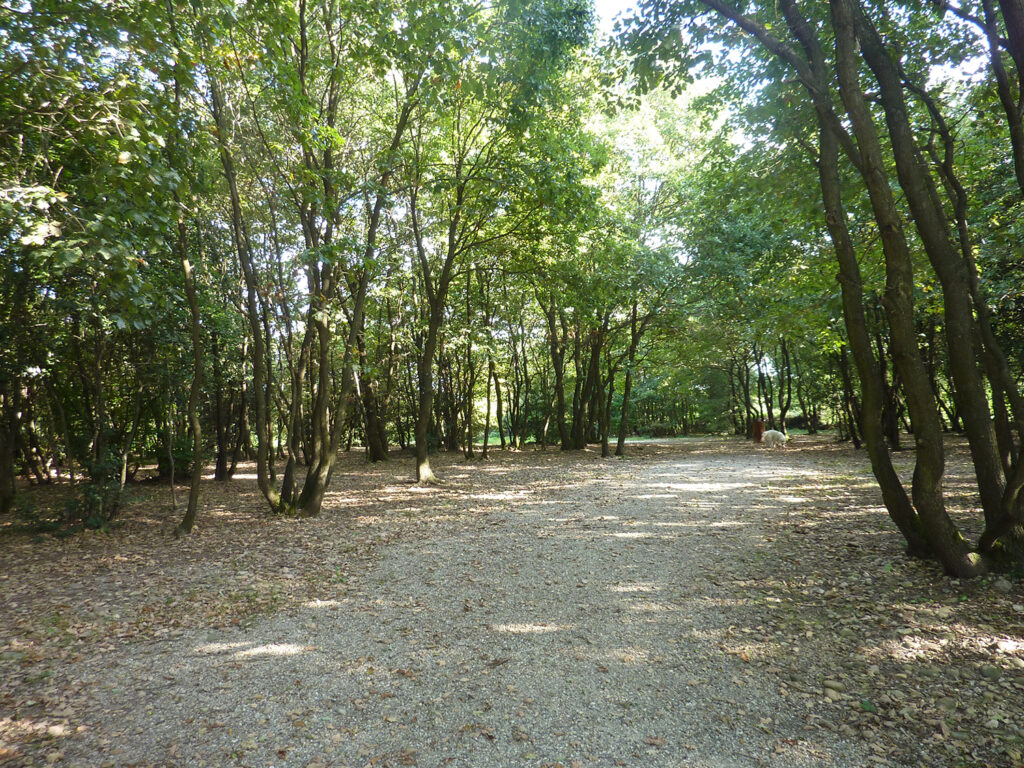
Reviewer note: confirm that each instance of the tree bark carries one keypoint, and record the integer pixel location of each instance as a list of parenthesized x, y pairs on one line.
[(243, 249), (195, 390), (8, 434), (944, 537), (932, 226)]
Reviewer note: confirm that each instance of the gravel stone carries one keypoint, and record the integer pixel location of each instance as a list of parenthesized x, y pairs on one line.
[(597, 623)]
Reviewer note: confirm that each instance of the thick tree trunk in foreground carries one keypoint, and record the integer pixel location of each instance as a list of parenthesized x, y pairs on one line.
[(933, 228), (893, 493), (945, 538)]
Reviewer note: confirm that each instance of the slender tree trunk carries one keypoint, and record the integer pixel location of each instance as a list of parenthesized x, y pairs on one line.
[(424, 474), (605, 418), (917, 525), (195, 390), (62, 425), (524, 411), (850, 404), (376, 449), (220, 471), (487, 414), (556, 346), (627, 391), (8, 435), (636, 329), (785, 388), (497, 407), (243, 249), (469, 407)]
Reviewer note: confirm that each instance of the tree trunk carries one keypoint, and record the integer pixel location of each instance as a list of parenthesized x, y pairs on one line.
[(487, 412), (366, 389), (195, 390), (932, 226), (556, 345), (850, 404), (943, 536), (605, 417), (243, 249), (8, 434), (785, 390), (424, 474)]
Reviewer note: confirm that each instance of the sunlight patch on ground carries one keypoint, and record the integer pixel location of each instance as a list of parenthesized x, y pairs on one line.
[(495, 469), (794, 499), (631, 535), (272, 649), (526, 629), (719, 602), (220, 647), (430, 518), (219, 512), (395, 490), (322, 604), (629, 655), (370, 520), (702, 487), (423, 490), (993, 646), (641, 586), (25, 728), (915, 648)]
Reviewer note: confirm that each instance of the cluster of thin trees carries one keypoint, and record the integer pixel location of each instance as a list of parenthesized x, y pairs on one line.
[(307, 224)]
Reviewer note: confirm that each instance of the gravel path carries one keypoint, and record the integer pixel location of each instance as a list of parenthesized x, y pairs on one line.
[(583, 625)]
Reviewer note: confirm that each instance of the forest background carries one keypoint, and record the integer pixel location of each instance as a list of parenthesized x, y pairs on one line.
[(272, 231)]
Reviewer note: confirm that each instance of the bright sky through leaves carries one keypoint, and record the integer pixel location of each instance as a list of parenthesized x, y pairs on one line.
[(606, 11)]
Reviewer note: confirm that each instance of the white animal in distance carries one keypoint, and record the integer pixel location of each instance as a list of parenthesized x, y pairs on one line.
[(772, 438)]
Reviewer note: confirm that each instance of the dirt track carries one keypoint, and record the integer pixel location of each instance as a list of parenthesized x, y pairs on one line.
[(702, 604)]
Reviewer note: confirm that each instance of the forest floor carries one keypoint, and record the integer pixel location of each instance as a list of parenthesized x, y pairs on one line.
[(703, 602)]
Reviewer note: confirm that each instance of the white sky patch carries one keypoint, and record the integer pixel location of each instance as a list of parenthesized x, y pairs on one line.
[(606, 11)]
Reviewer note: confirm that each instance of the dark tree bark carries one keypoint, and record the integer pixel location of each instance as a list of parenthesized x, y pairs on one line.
[(785, 387), (195, 390), (932, 226), (851, 409), (944, 537), (376, 447), (557, 333), (8, 434), (927, 528)]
